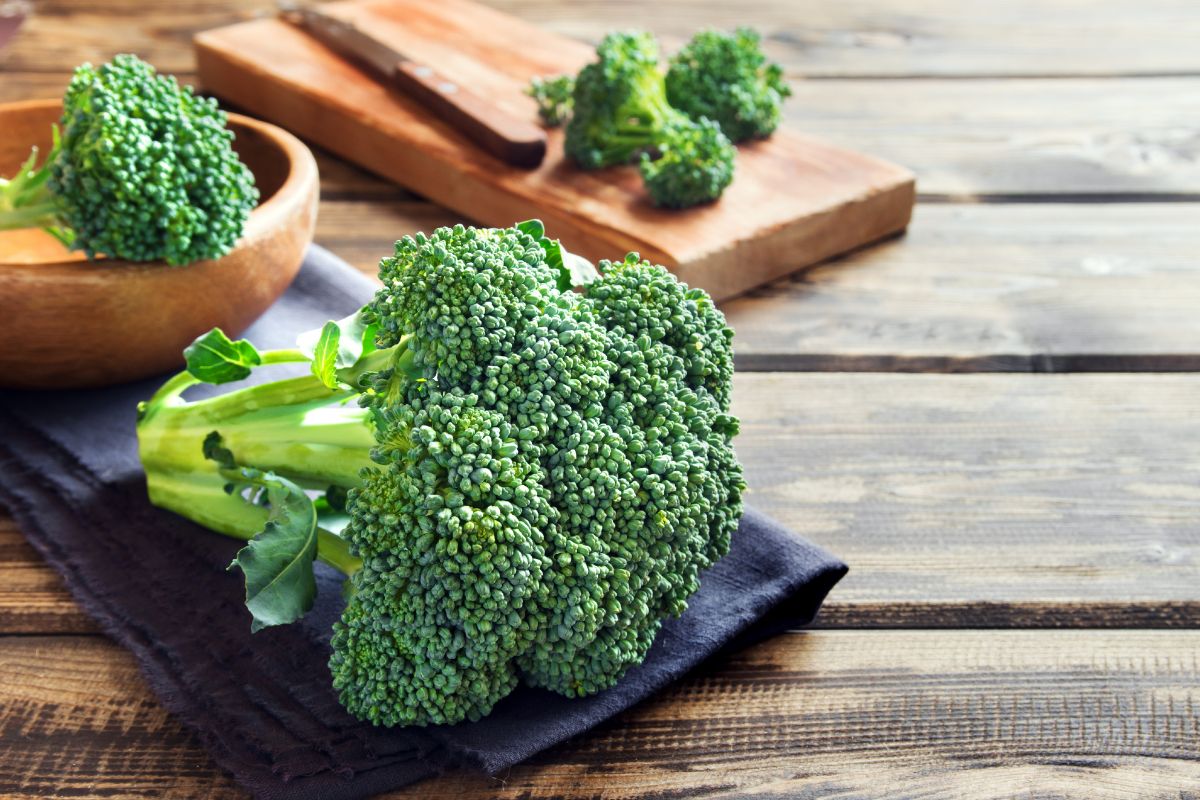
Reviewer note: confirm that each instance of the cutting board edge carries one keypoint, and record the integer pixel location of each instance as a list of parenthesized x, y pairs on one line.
[(790, 248)]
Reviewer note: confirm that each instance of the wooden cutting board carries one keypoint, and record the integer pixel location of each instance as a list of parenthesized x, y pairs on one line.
[(794, 200)]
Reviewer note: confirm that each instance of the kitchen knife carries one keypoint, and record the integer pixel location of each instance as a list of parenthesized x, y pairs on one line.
[(507, 137)]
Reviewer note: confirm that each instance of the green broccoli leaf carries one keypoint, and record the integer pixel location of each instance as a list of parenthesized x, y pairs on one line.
[(278, 561), (573, 271), (338, 344), (533, 227), (215, 358)]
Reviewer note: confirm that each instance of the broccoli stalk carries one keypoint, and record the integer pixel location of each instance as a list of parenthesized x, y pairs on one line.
[(621, 113), (521, 480), (141, 170)]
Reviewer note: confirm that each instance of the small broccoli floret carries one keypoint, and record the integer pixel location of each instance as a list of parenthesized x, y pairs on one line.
[(450, 533), (621, 113), (554, 98), (726, 78), (642, 299), (532, 477), (694, 166), (143, 170)]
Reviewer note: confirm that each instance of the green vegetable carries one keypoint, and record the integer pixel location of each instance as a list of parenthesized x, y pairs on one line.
[(554, 98), (673, 180), (621, 114), (143, 170), (726, 78), (522, 480)]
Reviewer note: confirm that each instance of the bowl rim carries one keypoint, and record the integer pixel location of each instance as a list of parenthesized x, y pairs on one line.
[(264, 218)]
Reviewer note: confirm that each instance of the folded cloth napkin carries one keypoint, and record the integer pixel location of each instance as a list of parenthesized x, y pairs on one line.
[(262, 704)]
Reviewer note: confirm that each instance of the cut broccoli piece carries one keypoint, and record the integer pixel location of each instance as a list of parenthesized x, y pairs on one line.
[(143, 170), (527, 479), (554, 98), (694, 166), (621, 114), (725, 77)]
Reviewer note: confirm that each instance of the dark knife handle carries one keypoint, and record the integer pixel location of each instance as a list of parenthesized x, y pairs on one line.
[(511, 139)]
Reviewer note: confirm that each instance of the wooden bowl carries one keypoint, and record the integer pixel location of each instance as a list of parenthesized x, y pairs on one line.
[(69, 322)]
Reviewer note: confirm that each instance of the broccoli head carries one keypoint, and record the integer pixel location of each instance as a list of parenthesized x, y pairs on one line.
[(621, 114), (527, 478), (142, 169), (726, 78)]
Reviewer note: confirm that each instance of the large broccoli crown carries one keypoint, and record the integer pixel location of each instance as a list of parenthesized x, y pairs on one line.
[(546, 496), (726, 78), (145, 169)]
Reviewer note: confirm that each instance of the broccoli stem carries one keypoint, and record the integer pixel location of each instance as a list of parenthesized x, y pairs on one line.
[(44, 215), (25, 199), (297, 428)]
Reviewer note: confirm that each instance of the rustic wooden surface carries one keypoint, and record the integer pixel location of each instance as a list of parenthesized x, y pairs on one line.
[(794, 200), (1021, 616)]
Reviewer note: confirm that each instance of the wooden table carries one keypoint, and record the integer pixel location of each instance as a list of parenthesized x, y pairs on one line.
[(977, 417)]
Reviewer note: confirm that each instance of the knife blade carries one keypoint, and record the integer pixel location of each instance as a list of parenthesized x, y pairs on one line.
[(505, 136)]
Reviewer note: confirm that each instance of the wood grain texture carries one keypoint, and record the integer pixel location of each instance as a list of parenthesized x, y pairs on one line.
[(846, 714), (1029, 288), (133, 319), (982, 500), (984, 488), (32, 596), (994, 139), (883, 38), (794, 200), (967, 141), (859, 38)]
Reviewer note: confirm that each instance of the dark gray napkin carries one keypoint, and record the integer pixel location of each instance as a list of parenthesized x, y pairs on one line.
[(262, 704)]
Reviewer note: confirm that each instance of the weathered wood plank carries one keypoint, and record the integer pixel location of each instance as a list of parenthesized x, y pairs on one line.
[(882, 38), (981, 500), (77, 719), (985, 488), (966, 140), (1033, 288), (980, 139), (848, 714), (32, 596), (861, 38)]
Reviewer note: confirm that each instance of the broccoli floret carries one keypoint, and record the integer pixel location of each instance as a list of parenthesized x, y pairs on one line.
[(142, 170), (726, 78), (532, 477), (694, 166), (554, 98), (621, 114)]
